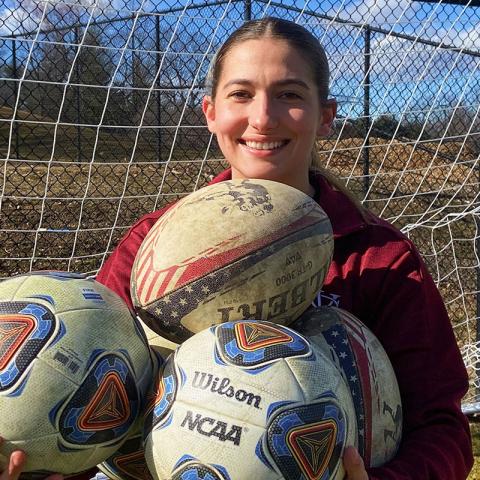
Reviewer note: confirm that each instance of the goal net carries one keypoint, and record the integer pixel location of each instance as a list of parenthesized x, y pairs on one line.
[(100, 122)]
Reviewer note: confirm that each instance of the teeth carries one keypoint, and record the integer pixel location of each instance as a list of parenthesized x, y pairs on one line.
[(264, 146)]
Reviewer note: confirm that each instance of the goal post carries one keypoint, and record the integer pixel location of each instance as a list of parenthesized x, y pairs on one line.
[(101, 122)]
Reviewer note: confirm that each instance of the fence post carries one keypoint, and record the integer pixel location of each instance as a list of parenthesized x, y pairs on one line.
[(366, 111), (159, 100), (77, 98), (16, 93), (248, 10), (477, 250)]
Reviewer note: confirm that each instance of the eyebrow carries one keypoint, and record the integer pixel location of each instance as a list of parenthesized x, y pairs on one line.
[(280, 83)]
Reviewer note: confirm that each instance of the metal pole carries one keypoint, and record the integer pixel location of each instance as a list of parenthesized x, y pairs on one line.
[(477, 250), (366, 112), (16, 93), (134, 76), (77, 99), (291, 8), (248, 10), (159, 100), (348, 21)]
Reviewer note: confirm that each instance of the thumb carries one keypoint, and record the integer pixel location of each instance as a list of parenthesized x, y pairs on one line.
[(353, 464)]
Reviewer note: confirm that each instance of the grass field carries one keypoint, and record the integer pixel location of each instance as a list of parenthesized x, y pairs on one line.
[(475, 473), (61, 210), (60, 213), (68, 194)]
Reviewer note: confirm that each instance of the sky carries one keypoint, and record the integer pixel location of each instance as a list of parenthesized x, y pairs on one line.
[(401, 71)]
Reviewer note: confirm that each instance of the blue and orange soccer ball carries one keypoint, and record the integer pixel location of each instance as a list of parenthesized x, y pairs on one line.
[(248, 399), (74, 370)]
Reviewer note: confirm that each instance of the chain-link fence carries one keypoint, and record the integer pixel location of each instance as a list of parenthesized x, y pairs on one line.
[(101, 121)]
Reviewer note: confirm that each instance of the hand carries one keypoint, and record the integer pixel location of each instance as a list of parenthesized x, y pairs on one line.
[(16, 464), (353, 464)]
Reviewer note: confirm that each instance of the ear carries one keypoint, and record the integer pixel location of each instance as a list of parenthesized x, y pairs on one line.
[(208, 108), (328, 112)]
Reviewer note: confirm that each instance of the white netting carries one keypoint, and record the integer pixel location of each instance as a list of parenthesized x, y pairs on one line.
[(100, 122)]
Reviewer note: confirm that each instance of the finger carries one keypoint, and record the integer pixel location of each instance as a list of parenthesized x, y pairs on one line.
[(16, 464), (353, 464), (55, 476)]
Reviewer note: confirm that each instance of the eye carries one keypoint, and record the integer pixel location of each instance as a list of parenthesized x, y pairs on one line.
[(240, 95), (291, 95)]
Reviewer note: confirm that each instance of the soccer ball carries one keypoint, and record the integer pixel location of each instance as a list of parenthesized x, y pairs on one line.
[(128, 462), (249, 399), (74, 369), (365, 366)]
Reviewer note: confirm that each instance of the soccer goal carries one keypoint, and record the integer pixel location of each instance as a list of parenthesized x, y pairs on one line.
[(100, 122)]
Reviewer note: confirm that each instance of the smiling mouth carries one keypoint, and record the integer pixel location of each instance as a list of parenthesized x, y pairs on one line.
[(263, 145)]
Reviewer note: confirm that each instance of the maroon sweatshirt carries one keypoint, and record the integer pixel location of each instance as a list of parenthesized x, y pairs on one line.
[(378, 275)]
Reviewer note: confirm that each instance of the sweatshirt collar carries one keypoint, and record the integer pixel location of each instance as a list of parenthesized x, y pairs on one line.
[(342, 212)]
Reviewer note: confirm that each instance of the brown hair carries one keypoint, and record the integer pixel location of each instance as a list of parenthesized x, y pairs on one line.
[(295, 35), (307, 46)]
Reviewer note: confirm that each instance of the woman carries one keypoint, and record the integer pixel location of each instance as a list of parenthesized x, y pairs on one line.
[(267, 105)]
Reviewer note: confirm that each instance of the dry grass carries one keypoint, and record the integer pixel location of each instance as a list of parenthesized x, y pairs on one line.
[(65, 208), (59, 213), (475, 473)]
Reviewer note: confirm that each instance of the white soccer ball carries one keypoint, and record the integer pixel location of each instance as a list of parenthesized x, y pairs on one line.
[(249, 399), (74, 370), (365, 366), (128, 462)]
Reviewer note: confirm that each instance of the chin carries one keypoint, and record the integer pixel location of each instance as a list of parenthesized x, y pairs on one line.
[(267, 171)]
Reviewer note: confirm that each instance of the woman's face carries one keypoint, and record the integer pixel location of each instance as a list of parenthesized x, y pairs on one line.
[(266, 113)]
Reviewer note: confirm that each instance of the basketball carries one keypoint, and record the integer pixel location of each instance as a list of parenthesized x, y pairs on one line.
[(366, 368), (74, 370), (229, 251), (248, 399)]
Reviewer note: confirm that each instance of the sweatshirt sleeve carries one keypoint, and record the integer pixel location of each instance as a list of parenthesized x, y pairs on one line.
[(115, 272), (413, 325)]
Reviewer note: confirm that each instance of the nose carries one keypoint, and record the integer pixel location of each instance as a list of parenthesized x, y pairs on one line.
[(263, 116)]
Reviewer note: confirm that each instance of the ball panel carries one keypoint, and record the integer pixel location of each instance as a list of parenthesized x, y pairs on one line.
[(245, 391), (252, 344), (162, 397), (103, 407), (308, 440), (128, 462), (41, 383), (190, 468), (25, 329), (282, 206), (66, 292), (70, 356)]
